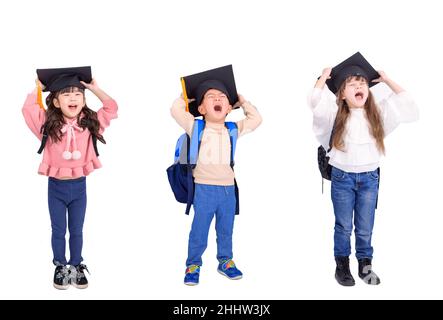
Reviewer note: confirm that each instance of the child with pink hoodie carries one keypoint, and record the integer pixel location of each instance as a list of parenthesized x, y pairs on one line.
[(69, 131)]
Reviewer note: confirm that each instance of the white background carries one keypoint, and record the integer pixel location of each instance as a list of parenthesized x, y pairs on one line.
[(135, 235)]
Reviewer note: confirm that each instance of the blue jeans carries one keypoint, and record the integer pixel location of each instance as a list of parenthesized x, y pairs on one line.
[(354, 194), (210, 200), (67, 196)]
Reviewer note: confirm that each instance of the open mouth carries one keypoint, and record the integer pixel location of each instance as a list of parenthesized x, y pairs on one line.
[(72, 107), (359, 95), (217, 108)]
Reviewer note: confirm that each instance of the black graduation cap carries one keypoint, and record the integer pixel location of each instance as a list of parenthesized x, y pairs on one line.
[(355, 65), (195, 86), (60, 78)]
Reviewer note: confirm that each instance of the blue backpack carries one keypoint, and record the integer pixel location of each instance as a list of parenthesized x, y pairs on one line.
[(185, 160)]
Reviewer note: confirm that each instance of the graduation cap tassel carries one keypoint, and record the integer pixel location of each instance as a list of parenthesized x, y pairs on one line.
[(39, 97), (185, 96)]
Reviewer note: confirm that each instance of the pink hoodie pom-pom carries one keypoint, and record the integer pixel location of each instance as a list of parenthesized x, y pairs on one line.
[(67, 155), (76, 155)]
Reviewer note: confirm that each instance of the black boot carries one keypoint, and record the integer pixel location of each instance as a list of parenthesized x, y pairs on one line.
[(342, 273), (365, 272)]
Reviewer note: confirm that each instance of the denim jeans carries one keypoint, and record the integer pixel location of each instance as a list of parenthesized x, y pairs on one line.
[(210, 200), (67, 196), (354, 196)]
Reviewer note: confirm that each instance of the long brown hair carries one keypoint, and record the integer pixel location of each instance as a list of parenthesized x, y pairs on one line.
[(87, 118), (372, 114)]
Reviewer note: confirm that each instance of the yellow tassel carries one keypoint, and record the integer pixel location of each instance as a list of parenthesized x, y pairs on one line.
[(39, 97), (185, 96)]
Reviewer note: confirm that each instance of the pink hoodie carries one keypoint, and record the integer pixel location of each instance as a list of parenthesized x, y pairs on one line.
[(55, 163)]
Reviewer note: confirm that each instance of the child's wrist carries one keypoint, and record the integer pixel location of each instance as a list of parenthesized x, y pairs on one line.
[(96, 91)]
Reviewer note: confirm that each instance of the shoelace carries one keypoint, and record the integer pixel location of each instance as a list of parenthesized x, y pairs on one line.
[(63, 275), (62, 272), (79, 271), (193, 269), (228, 264)]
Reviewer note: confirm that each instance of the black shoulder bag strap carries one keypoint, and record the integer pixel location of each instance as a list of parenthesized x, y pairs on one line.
[(94, 143), (44, 139), (329, 149)]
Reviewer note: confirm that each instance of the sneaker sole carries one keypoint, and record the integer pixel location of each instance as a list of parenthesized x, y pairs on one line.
[(231, 278), (61, 287), (78, 286), (191, 284)]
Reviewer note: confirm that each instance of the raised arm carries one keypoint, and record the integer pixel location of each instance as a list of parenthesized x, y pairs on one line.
[(110, 108), (252, 117), (400, 107), (322, 103), (183, 118), (96, 90), (389, 82), (325, 75), (34, 116)]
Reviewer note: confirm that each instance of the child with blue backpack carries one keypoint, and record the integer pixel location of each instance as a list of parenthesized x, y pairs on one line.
[(212, 94)]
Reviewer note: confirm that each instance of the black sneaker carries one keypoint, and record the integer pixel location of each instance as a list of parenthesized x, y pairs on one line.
[(342, 273), (77, 275), (365, 272), (61, 278)]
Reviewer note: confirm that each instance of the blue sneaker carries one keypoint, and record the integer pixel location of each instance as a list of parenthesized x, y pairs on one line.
[(192, 275), (229, 270)]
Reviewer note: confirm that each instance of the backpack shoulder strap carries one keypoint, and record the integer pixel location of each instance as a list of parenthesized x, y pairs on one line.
[(44, 139), (180, 147), (94, 138), (197, 132), (192, 156), (94, 144), (233, 136)]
